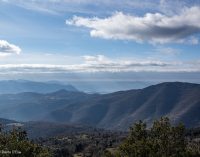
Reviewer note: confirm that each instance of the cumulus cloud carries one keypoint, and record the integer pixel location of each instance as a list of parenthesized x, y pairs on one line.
[(7, 48), (101, 63), (152, 27)]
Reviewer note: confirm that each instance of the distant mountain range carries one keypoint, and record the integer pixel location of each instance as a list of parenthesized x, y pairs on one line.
[(118, 110), (18, 86)]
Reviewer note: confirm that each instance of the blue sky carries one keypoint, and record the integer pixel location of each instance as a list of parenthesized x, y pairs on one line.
[(98, 36)]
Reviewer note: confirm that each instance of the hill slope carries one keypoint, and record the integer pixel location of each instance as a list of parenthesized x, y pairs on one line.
[(179, 101), (36, 129)]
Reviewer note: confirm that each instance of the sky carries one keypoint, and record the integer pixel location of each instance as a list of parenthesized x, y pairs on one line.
[(100, 39)]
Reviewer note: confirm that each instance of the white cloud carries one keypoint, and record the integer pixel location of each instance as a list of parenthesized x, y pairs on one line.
[(101, 63), (7, 48), (101, 60), (152, 27)]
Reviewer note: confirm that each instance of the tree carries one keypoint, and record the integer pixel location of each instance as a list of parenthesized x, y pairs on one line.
[(166, 140), (15, 143), (137, 142), (161, 140)]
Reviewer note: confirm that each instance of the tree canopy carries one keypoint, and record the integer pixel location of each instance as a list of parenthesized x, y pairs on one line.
[(161, 140), (15, 143)]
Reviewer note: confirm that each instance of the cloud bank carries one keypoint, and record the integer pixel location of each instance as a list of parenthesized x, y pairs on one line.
[(152, 27), (7, 48), (101, 63)]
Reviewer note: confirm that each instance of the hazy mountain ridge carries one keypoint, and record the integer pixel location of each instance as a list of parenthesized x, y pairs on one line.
[(179, 101), (18, 86)]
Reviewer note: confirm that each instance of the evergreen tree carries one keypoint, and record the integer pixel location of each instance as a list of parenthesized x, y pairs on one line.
[(161, 140), (15, 143)]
